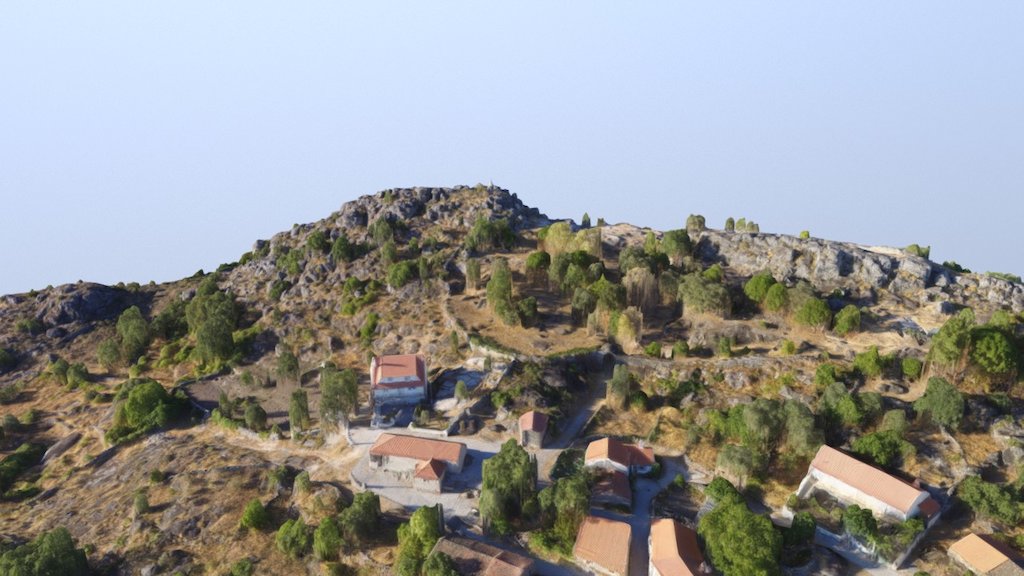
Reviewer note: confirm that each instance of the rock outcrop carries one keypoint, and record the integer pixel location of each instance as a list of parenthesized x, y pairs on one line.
[(857, 270)]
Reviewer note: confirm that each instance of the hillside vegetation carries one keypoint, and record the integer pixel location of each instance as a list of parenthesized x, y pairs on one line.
[(197, 426)]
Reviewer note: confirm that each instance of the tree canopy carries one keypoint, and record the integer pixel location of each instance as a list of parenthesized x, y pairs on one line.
[(942, 402), (739, 542)]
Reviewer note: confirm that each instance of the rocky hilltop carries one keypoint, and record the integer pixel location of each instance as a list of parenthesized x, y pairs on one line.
[(730, 353), (859, 270)]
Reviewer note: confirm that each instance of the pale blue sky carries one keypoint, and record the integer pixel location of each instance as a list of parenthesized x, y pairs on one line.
[(146, 140)]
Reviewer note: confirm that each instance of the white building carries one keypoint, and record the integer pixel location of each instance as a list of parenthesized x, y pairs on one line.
[(409, 455), (398, 379), (613, 456), (853, 482)]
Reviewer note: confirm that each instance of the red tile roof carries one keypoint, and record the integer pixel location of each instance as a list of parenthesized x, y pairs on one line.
[(398, 371), (430, 470), (615, 484), (605, 543), (417, 448), (674, 549), (624, 454), (533, 421), (866, 478), (986, 556)]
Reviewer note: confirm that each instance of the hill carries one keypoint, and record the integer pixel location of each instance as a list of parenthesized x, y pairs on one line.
[(530, 313)]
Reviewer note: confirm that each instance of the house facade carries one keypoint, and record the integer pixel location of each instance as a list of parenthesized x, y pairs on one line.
[(398, 380), (854, 482), (533, 428), (425, 462), (612, 455), (429, 476)]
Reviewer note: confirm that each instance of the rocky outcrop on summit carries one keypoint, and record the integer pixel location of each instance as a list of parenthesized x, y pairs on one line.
[(855, 269), (82, 302), (437, 205), (413, 208)]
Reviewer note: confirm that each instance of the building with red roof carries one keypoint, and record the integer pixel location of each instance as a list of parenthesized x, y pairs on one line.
[(851, 481), (533, 427), (611, 455), (398, 379)]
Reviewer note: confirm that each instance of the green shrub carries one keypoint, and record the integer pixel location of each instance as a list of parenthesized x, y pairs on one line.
[(814, 313), (653, 350), (255, 516), (17, 462), (1004, 276), (757, 287), (278, 288), (680, 349), (526, 309), (288, 364), (882, 448), (294, 538), (991, 500), (344, 251), (140, 503), (298, 411), (942, 402), (952, 338), (255, 417), (212, 316), (133, 333), (142, 406), (776, 298), (108, 354), (499, 292), (921, 251), (724, 347), (847, 320), (439, 564), (400, 274), (487, 235), (739, 542), (695, 224), (801, 531), (701, 294), (360, 519), (317, 241), (788, 348), (860, 523), (721, 490), (327, 540), (954, 267), (369, 327), (31, 326), (50, 554), (993, 351), (242, 568), (869, 363), (911, 368)]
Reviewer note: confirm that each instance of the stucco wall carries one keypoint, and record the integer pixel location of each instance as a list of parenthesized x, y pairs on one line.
[(606, 464), (849, 494), (412, 395)]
